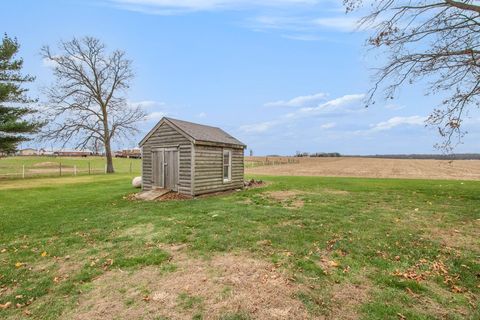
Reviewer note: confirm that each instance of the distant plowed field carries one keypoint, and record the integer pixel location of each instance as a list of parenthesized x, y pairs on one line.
[(365, 167)]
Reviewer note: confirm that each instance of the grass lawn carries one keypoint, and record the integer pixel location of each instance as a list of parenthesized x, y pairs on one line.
[(334, 248), (11, 167)]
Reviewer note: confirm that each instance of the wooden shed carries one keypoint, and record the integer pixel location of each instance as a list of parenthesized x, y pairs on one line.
[(191, 158)]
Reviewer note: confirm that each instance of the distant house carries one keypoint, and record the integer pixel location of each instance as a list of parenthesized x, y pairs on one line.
[(45, 152), (135, 153), (27, 152), (191, 158), (72, 153)]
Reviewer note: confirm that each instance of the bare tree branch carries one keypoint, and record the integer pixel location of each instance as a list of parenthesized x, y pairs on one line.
[(433, 40)]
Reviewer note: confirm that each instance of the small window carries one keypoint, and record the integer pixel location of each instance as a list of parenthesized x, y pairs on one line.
[(227, 165)]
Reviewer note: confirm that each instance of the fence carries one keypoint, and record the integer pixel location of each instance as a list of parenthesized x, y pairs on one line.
[(29, 167), (251, 162)]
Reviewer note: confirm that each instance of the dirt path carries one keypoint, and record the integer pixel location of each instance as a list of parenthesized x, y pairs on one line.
[(375, 168)]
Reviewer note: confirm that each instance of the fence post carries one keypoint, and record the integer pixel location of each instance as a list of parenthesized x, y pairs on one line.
[(88, 167), (75, 170), (23, 171), (105, 169), (60, 169)]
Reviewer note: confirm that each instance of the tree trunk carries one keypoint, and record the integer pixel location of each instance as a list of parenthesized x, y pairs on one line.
[(106, 133), (108, 155)]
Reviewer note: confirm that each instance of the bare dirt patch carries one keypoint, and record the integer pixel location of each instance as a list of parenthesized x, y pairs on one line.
[(47, 164), (288, 199), (138, 230), (146, 231), (35, 183), (225, 284), (373, 168), (346, 298), (61, 267), (463, 236), (335, 192)]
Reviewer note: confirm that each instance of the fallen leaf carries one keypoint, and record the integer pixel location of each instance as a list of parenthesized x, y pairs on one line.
[(456, 289), (6, 305), (410, 292), (44, 253), (27, 312), (333, 264), (18, 264), (3, 250), (401, 316), (19, 296), (146, 298)]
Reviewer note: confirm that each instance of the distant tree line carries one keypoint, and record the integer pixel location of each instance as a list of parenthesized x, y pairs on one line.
[(458, 156), (317, 154)]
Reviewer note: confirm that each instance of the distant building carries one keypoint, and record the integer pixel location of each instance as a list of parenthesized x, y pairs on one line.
[(27, 152), (45, 152), (72, 153), (135, 153)]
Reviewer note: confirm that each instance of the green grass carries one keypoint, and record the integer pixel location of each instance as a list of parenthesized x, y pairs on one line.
[(372, 228), (37, 166)]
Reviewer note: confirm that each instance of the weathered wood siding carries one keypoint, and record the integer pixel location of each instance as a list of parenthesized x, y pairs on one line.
[(208, 171), (165, 136)]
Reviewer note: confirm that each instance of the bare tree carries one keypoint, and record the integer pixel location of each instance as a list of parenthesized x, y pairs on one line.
[(87, 103), (437, 41)]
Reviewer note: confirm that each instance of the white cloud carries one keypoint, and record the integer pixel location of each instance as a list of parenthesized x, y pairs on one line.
[(259, 127), (393, 106), (328, 125), (202, 115), (296, 19), (167, 7), (146, 104), (298, 101), (341, 23), (332, 107), (398, 121), (157, 115), (303, 37), (155, 109), (49, 63)]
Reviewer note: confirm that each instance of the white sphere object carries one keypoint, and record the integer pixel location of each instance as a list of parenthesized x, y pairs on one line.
[(137, 182)]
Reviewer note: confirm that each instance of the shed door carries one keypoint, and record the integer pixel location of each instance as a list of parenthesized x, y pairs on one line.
[(171, 169), (158, 169)]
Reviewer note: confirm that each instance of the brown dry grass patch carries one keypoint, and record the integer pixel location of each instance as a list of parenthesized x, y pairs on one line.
[(335, 192), (461, 237), (46, 164), (224, 284), (35, 183), (288, 198), (346, 299)]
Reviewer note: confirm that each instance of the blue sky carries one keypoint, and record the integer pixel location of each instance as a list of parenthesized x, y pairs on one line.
[(283, 76)]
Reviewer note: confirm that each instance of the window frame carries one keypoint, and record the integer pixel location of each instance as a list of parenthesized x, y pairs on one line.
[(225, 152)]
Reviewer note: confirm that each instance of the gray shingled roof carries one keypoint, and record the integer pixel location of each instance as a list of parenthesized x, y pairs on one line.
[(200, 132)]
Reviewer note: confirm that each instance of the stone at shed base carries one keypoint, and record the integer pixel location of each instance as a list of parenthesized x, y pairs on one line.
[(137, 182)]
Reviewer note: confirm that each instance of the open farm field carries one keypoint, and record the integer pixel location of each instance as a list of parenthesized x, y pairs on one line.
[(364, 167)]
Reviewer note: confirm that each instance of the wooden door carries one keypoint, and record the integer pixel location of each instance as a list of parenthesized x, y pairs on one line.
[(171, 169), (158, 169)]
